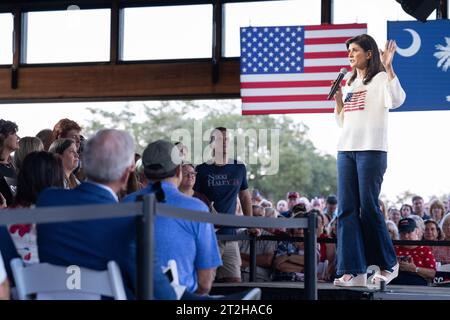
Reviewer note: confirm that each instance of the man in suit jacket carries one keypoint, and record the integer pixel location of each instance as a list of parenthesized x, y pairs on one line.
[(7, 253), (108, 161)]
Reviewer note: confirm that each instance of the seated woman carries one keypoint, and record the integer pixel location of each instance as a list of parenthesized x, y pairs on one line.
[(265, 250), (432, 231), (406, 210), (437, 211), (66, 149), (394, 215), (289, 258), (417, 263), (442, 253), (39, 171), (26, 146)]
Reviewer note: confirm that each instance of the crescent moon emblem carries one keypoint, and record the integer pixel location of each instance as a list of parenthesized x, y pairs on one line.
[(415, 45)]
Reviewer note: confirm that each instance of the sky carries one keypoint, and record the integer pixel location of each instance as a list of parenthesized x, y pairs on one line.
[(418, 141)]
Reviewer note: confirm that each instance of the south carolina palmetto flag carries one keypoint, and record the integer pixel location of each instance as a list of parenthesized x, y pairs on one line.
[(290, 69)]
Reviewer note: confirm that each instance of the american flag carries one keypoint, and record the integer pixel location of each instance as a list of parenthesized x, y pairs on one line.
[(290, 69), (355, 101)]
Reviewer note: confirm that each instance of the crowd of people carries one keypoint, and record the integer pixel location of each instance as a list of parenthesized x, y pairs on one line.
[(59, 167), (415, 221)]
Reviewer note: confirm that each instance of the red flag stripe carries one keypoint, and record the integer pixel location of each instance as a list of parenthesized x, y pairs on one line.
[(286, 84), (324, 69), (318, 55), (281, 111), (320, 47), (339, 40), (354, 109), (303, 97), (336, 26)]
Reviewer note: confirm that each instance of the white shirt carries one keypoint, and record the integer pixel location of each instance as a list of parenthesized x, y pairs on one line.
[(106, 188), (364, 117)]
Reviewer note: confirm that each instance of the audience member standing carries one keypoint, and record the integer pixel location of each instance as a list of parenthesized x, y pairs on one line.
[(419, 207), (222, 180), (46, 136), (9, 142), (188, 182), (331, 207)]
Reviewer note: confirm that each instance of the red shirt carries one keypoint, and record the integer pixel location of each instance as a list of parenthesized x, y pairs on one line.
[(421, 256), (323, 248)]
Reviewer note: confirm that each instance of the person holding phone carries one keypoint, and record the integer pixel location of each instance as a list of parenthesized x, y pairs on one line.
[(417, 263)]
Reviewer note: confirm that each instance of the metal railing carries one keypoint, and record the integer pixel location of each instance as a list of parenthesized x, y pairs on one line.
[(253, 239), (146, 212)]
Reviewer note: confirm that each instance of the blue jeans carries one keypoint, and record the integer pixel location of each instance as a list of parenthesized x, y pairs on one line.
[(363, 238)]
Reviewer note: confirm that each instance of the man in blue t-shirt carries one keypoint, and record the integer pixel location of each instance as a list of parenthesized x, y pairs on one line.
[(192, 244), (223, 180)]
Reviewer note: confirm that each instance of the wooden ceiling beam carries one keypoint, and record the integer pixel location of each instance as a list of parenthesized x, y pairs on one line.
[(150, 81)]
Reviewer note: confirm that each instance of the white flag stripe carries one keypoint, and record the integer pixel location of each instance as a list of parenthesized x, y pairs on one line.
[(334, 33), (288, 77), (284, 91), (288, 105), (325, 47), (326, 62)]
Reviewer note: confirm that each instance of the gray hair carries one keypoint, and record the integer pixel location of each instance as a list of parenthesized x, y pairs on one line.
[(391, 224), (60, 145), (444, 218), (107, 154)]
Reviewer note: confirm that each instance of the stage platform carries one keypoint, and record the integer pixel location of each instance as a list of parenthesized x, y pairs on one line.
[(327, 291)]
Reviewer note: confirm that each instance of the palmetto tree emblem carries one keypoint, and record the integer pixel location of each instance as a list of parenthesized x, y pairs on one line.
[(443, 55)]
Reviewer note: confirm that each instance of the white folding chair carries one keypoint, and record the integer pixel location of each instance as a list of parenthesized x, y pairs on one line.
[(444, 267), (171, 271), (44, 281)]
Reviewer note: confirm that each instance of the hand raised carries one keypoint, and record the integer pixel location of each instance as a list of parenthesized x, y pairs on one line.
[(387, 55)]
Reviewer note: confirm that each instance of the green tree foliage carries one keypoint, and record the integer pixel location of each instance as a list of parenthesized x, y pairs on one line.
[(301, 167)]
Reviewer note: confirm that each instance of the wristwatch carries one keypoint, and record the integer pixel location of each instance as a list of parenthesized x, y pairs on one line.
[(417, 269)]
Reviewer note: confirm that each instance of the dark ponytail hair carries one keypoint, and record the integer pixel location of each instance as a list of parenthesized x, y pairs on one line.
[(157, 190), (374, 65)]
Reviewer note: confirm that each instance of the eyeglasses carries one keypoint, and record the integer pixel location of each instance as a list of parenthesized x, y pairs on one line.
[(190, 174)]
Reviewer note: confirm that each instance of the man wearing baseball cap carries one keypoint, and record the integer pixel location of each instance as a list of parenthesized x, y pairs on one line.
[(193, 245), (417, 263)]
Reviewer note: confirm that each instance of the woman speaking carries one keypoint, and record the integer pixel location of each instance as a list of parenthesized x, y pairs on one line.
[(362, 108)]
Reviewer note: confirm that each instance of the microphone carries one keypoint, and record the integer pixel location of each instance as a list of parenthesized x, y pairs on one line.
[(336, 84)]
